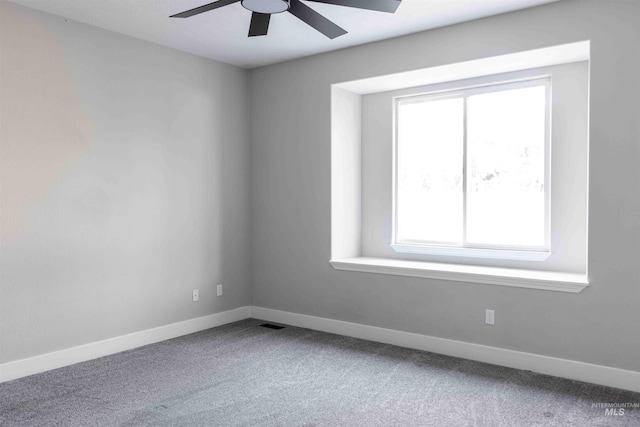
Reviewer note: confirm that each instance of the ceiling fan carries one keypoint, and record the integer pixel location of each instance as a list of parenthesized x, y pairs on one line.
[(263, 9)]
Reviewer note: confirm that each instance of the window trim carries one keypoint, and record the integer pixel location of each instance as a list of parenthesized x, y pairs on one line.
[(470, 252), (346, 252), (487, 251), (533, 279)]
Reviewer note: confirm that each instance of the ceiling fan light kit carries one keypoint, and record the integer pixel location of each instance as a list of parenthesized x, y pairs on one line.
[(266, 6), (263, 9)]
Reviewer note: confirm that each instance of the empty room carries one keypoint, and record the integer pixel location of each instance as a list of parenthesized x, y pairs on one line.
[(319, 213)]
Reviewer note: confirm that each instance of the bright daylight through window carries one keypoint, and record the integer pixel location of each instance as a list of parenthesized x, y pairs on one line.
[(472, 171)]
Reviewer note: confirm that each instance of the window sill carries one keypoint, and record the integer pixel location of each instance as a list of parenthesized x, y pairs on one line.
[(471, 252), (546, 280)]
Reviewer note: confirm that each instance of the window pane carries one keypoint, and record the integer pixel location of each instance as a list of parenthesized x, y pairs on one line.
[(429, 176), (506, 167)]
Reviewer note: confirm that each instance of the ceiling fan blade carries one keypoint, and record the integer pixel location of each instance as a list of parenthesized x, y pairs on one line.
[(259, 24), (379, 5), (314, 19), (202, 9)]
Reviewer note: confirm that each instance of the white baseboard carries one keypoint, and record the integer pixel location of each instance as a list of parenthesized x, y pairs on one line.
[(571, 369), (596, 374), (57, 359)]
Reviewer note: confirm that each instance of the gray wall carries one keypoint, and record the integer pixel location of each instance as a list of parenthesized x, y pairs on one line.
[(124, 181), (124, 184), (291, 178)]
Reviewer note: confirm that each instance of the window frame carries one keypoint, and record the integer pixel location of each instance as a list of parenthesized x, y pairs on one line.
[(466, 249)]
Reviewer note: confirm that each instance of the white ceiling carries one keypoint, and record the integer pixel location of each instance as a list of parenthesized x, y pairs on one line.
[(222, 33)]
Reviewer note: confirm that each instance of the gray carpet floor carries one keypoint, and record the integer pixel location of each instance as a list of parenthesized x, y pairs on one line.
[(243, 374)]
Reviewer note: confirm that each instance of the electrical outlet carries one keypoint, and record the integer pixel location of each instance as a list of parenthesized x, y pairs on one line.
[(489, 317), (219, 290), (196, 295)]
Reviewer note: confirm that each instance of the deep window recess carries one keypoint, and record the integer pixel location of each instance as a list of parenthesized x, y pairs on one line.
[(472, 171), (524, 231)]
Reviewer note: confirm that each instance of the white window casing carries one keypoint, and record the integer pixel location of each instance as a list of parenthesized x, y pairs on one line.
[(363, 238), (465, 248)]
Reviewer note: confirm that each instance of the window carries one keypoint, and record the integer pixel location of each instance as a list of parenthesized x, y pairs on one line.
[(475, 171), (472, 171)]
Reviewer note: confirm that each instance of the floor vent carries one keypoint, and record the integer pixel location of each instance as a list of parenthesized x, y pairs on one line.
[(271, 326)]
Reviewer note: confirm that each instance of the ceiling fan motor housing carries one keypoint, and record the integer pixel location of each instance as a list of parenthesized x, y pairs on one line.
[(263, 9), (266, 6)]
